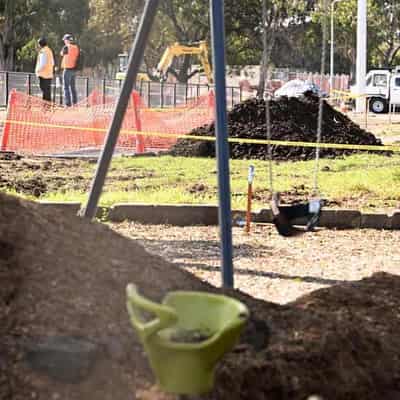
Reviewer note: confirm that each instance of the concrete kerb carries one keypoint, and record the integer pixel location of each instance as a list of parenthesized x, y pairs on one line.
[(395, 220), (72, 208), (186, 215), (377, 221)]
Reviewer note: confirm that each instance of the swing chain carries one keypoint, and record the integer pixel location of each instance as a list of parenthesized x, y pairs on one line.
[(315, 191)]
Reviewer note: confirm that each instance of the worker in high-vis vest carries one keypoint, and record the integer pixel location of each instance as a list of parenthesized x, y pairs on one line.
[(70, 55), (44, 69)]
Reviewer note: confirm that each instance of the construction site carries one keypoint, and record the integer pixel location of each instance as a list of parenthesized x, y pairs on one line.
[(170, 241)]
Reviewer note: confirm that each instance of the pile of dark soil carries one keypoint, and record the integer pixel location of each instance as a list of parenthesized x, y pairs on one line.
[(292, 119), (65, 334)]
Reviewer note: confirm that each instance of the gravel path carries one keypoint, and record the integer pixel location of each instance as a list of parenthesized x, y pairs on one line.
[(268, 266)]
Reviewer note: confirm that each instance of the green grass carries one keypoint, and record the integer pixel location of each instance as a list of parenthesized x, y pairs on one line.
[(371, 181)]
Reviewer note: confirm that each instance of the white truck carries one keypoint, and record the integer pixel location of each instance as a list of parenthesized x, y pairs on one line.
[(383, 89)]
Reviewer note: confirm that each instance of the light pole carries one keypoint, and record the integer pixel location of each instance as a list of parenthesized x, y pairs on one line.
[(361, 69), (332, 44)]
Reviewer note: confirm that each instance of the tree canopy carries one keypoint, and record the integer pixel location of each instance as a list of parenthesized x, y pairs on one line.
[(292, 31)]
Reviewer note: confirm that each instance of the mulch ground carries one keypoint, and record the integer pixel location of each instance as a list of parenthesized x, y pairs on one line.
[(64, 276)]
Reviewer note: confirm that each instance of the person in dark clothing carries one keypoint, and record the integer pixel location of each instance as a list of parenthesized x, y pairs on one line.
[(44, 69), (70, 55)]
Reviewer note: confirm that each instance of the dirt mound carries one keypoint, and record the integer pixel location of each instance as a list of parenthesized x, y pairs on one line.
[(62, 293), (292, 119)]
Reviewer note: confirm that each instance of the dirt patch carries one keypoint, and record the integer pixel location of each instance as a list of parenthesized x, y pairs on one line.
[(37, 176), (292, 119), (339, 342)]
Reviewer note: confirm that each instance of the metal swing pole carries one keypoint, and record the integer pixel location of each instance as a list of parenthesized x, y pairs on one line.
[(315, 190), (135, 59), (222, 149)]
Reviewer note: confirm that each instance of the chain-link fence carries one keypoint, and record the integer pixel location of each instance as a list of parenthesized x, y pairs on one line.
[(154, 94)]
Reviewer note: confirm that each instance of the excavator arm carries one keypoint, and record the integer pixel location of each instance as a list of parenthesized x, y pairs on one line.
[(176, 50)]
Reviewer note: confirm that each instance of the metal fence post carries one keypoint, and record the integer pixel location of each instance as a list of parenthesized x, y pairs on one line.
[(61, 89), (87, 87), (29, 84), (148, 94), (54, 91), (103, 91), (162, 94), (7, 87)]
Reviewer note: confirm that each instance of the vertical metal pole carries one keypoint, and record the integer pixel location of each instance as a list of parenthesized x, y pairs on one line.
[(87, 87), (135, 60), (161, 94), (361, 54), (54, 91), (174, 94), (103, 91), (29, 84), (148, 94), (332, 58), (7, 87), (61, 89), (250, 178), (222, 148), (332, 41)]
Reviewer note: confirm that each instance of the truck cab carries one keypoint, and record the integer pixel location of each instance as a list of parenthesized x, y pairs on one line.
[(383, 89)]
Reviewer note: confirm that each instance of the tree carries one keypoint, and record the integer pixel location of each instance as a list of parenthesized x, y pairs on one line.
[(383, 33), (22, 22), (277, 16), (15, 16), (384, 24)]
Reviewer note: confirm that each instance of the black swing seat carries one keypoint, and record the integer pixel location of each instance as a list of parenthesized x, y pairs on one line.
[(283, 216)]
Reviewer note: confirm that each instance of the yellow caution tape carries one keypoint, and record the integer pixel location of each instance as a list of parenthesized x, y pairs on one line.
[(342, 146)]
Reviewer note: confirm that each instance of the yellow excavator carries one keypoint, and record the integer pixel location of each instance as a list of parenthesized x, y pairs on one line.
[(200, 49)]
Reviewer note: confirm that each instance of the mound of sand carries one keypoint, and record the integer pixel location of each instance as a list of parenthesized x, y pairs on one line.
[(62, 286)]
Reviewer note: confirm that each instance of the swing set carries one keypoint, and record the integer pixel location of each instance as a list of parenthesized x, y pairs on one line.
[(285, 216)]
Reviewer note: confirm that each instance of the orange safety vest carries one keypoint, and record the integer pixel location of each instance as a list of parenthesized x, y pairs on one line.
[(70, 59), (48, 71)]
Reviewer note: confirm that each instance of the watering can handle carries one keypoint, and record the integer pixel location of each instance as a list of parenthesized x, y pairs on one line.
[(165, 316)]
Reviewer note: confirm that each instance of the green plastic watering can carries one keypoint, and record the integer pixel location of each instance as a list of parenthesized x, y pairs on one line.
[(186, 336)]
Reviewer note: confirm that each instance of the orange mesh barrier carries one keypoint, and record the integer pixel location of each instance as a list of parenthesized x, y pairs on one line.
[(34, 126)]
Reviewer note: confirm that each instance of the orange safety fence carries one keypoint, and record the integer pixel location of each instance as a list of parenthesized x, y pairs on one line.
[(34, 126)]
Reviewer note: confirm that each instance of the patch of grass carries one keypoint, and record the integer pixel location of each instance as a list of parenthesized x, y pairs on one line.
[(177, 180)]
